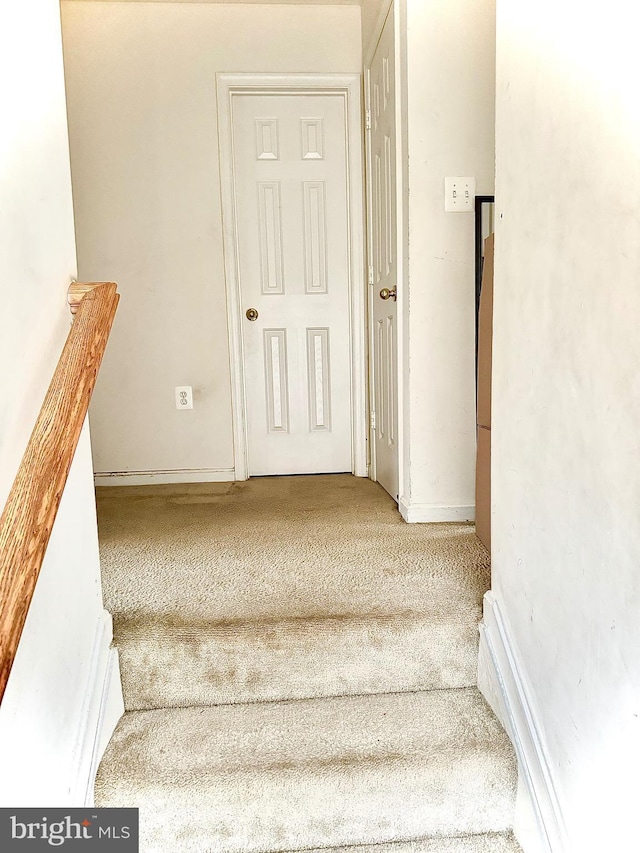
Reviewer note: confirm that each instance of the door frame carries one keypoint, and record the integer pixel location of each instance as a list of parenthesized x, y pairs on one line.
[(347, 86)]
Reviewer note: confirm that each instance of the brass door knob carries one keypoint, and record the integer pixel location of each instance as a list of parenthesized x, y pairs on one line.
[(252, 314), (387, 293)]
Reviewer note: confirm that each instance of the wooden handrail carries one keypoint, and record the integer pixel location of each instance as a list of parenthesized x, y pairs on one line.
[(32, 505)]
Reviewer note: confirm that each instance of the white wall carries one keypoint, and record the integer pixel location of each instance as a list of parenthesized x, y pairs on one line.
[(43, 717), (566, 398), (450, 68), (144, 154)]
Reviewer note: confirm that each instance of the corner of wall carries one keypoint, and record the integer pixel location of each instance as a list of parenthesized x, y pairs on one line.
[(374, 14)]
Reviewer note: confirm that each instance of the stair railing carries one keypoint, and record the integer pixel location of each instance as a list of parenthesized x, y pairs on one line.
[(32, 505)]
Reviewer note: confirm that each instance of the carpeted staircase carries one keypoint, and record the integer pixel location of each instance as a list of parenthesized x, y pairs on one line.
[(299, 670)]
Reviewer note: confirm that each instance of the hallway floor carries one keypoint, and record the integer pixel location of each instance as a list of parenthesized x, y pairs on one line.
[(299, 670)]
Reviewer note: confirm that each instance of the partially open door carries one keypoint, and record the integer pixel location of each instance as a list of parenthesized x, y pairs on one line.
[(383, 260)]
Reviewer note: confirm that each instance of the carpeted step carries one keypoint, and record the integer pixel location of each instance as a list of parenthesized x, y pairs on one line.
[(493, 842), (282, 588), (165, 665), (316, 773), (279, 548)]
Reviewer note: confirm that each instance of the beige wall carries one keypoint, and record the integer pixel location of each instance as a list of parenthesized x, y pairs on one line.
[(372, 18), (450, 68), (141, 84), (566, 400), (44, 714), (144, 156)]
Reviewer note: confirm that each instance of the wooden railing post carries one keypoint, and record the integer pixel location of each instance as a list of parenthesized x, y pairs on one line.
[(32, 505)]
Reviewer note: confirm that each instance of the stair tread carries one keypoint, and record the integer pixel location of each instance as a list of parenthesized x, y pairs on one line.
[(368, 727), (281, 548), (142, 625), (489, 842), (166, 664), (319, 772)]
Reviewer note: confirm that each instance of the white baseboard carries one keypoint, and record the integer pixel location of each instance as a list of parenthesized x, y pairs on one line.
[(102, 708), (111, 709), (430, 513), (538, 825), (148, 478)]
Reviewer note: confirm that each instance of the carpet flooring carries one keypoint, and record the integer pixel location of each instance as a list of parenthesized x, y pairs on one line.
[(299, 671)]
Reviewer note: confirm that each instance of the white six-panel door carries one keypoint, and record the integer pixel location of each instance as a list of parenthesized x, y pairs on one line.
[(383, 261), (292, 238)]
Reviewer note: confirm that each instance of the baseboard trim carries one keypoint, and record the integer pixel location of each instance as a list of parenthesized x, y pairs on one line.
[(538, 826), (102, 708), (176, 475), (111, 709), (433, 513)]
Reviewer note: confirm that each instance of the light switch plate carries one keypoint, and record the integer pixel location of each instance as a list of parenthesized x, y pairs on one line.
[(459, 195)]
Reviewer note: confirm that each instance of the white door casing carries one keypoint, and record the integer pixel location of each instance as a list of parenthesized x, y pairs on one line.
[(383, 260), (293, 238)]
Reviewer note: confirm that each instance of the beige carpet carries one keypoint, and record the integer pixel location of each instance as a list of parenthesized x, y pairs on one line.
[(299, 668), (287, 587)]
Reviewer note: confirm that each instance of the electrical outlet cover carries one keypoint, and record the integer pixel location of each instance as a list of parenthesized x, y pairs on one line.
[(184, 397)]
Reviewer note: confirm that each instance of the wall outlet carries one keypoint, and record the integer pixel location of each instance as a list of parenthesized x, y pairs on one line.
[(459, 195), (184, 397)]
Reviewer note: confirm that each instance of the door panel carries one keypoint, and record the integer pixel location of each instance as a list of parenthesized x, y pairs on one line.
[(383, 261), (290, 182)]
